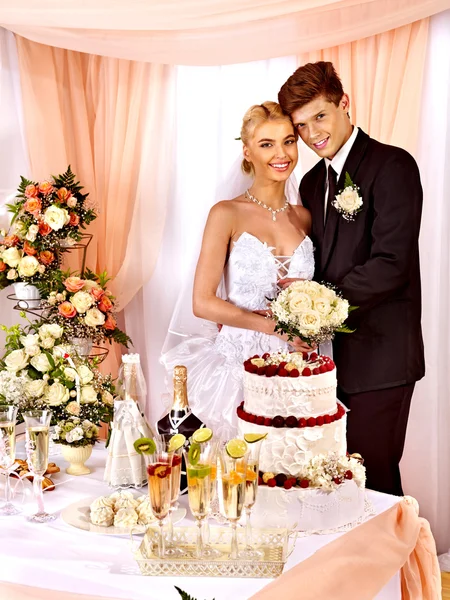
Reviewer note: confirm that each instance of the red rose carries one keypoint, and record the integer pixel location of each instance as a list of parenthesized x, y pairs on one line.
[(44, 229), (74, 219), (105, 304), (110, 323)]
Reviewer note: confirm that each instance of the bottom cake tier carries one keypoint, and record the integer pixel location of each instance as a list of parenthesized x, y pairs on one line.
[(309, 509)]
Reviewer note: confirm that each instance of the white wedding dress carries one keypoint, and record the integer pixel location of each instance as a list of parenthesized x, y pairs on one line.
[(215, 365)]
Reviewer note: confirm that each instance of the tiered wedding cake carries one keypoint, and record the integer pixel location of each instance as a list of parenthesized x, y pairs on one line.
[(306, 477)]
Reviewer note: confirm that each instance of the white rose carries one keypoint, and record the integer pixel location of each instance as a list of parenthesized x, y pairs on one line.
[(28, 266), (322, 306), (12, 274), (41, 269), (48, 343), (310, 321), (94, 317), (16, 360), (12, 256), (107, 398), (299, 302), (56, 394), (82, 301), (90, 284), (59, 297), (349, 200), (20, 229), (71, 202), (50, 330), (73, 408), (77, 434), (40, 362), (56, 217), (86, 375), (32, 233), (36, 388), (70, 374), (88, 394), (30, 343)]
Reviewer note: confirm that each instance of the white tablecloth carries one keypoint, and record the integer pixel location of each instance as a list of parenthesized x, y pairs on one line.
[(60, 557)]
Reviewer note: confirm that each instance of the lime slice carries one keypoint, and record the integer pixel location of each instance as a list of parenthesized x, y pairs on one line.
[(176, 442), (251, 438), (236, 448), (202, 435), (194, 453), (144, 446)]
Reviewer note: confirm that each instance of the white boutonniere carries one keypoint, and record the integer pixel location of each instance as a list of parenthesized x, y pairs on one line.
[(348, 202)]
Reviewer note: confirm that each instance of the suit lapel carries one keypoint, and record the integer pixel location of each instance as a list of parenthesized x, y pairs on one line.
[(332, 225)]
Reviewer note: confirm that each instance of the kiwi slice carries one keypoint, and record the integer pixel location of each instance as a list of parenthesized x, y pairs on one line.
[(144, 446), (194, 453)]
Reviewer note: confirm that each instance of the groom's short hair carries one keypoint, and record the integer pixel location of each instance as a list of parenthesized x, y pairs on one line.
[(307, 83)]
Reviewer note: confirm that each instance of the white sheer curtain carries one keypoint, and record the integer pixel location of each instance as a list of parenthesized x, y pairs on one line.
[(14, 157)]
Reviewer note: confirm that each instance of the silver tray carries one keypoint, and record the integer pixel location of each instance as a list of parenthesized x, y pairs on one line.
[(276, 544)]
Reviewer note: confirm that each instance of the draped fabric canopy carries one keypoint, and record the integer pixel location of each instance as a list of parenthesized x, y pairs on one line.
[(208, 32)]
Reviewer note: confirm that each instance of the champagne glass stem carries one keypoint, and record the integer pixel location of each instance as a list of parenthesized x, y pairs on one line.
[(38, 493), (248, 528), (234, 543), (161, 547), (199, 545), (206, 532), (170, 529), (7, 489)]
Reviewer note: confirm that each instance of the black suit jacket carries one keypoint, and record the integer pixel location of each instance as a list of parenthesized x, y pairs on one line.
[(374, 261)]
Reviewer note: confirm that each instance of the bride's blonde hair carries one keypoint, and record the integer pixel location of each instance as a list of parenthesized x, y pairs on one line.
[(255, 116)]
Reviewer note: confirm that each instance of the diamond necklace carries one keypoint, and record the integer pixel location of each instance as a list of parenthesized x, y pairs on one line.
[(274, 212)]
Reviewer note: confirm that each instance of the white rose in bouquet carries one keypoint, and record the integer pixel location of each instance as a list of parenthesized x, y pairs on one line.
[(73, 408), (57, 394), (47, 343), (56, 217), (82, 301), (107, 398), (71, 202), (41, 363), (50, 330), (32, 232), (12, 274), (322, 305), (16, 360), (94, 317), (70, 373), (88, 394), (90, 284), (28, 266), (20, 228), (30, 343), (12, 256), (75, 435), (299, 302), (86, 375), (36, 388), (310, 321)]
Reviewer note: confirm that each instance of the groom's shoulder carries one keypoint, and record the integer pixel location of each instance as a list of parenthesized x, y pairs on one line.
[(388, 155)]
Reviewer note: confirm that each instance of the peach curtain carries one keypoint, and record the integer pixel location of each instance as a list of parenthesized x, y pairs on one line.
[(356, 569), (205, 32)]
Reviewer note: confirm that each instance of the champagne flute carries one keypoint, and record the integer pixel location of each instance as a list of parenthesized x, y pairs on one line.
[(233, 464), (175, 444), (199, 460), (8, 415), (37, 423), (159, 474), (251, 489)]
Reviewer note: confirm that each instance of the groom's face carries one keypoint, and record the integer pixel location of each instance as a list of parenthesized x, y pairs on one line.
[(323, 126)]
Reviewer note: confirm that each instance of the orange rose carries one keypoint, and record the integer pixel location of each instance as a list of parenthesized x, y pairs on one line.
[(44, 229), (97, 293), (46, 188), (46, 257), (2, 266), (29, 249), (110, 323), (74, 284), (68, 310), (105, 304), (63, 194), (74, 219), (33, 205), (10, 240), (31, 191)]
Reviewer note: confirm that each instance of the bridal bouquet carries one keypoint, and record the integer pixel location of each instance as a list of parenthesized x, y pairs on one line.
[(311, 311), (83, 307), (47, 217), (37, 372)]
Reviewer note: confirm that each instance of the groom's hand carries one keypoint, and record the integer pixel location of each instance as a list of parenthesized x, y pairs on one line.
[(286, 281)]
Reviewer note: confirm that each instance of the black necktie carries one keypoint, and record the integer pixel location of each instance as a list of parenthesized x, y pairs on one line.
[(331, 189)]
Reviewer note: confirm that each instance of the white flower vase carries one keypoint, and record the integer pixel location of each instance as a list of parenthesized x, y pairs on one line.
[(76, 457), (28, 295)]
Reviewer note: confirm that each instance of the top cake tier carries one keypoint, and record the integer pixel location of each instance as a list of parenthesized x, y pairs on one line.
[(290, 384)]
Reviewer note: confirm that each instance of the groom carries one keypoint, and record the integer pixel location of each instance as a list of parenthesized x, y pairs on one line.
[(372, 256)]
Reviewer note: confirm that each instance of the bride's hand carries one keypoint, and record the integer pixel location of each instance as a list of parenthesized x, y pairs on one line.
[(266, 312), (286, 281), (297, 343)]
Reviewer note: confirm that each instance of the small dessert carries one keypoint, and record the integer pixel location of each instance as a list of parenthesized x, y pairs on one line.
[(103, 501), (102, 516), (144, 511), (125, 517)]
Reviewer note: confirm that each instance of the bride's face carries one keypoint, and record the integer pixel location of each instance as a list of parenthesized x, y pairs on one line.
[(273, 150)]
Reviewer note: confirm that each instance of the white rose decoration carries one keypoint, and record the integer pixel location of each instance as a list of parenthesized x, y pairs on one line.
[(90, 284), (56, 217), (30, 343), (73, 408), (36, 388), (299, 302), (86, 375), (32, 233), (88, 394), (40, 362), (28, 266), (47, 343), (56, 394), (12, 274), (107, 398), (70, 373), (50, 330), (310, 321), (322, 305), (71, 202), (20, 229), (16, 360), (94, 317), (82, 301), (349, 200), (12, 257)]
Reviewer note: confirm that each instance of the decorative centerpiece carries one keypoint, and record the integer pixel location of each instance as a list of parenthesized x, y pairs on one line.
[(45, 215), (77, 439)]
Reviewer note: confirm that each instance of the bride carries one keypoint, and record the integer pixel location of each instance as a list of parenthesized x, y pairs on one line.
[(249, 244)]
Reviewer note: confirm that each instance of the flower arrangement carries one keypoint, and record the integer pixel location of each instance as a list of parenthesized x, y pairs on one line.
[(46, 216), (82, 306), (36, 371), (311, 311), (75, 432), (348, 202)]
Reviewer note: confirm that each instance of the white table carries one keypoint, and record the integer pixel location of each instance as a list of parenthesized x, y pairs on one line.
[(60, 557)]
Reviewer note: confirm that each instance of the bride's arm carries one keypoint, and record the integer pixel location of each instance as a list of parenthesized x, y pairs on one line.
[(218, 232)]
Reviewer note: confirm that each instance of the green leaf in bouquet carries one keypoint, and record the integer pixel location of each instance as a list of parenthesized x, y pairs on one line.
[(50, 359), (352, 308), (33, 373), (345, 329)]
